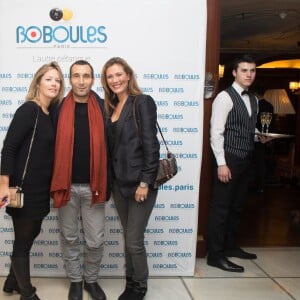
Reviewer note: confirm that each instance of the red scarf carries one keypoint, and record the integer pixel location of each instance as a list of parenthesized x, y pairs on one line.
[(61, 180)]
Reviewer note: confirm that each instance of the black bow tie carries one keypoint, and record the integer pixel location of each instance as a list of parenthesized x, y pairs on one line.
[(245, 93)]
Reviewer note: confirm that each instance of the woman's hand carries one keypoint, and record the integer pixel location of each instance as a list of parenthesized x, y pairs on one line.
[(4, 190), (141, 194)]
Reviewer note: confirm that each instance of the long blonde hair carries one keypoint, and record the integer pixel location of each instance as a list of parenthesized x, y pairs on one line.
[(33, 92), (110, 99)]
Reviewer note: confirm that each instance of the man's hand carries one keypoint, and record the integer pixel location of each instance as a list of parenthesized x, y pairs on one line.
[(224, 173), (264, 139)]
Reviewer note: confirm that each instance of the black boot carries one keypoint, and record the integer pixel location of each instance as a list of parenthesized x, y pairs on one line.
[(139, 290), (128, 289), (10, 284), (21, 269)]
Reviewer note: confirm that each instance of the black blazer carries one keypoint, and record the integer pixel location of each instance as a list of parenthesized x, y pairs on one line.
[(135, 156)]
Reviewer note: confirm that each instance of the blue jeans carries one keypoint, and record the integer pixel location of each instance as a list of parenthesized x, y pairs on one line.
[(134, 218), (93, 234)]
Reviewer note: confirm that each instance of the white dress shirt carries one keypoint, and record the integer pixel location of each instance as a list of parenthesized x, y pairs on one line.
[(221, 107)]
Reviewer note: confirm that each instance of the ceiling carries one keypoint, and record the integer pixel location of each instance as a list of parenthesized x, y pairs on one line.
[(270, 29)]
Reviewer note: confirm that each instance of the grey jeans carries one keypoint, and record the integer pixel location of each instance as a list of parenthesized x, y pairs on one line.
[(134, 218), (73, 249)]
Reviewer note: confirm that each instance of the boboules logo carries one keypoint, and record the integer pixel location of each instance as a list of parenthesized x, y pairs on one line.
[(57, 14), (48, 35)]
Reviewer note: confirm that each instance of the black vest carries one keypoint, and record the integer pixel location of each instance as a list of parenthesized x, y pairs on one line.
[(240, 127)]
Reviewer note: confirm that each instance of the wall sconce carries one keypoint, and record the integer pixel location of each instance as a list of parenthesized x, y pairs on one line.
[(294, 86), (209, 85), (221, 71)]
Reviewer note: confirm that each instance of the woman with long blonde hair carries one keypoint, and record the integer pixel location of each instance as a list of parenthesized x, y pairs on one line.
[(46, 88)]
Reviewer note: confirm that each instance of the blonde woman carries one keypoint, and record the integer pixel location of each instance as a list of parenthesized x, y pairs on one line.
[(46, 88)]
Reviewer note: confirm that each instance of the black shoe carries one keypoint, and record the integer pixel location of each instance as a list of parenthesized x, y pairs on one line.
[(126, 294), (128, 289), (11, 285), (240, 253), (94, 290), (33, 297), (137, 295), (21, 271), (75, 291), (139, 290), (224, 264)]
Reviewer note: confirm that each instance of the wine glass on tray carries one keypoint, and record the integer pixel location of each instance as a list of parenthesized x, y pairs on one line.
[(268, 120), (263, 121)]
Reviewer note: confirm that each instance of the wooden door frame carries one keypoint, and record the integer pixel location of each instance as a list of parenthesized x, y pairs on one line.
[(212, 62)]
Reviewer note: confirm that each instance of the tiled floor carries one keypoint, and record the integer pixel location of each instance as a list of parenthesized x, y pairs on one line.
[(275, 275)]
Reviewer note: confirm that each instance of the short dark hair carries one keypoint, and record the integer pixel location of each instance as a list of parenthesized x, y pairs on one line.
[(82, 63), (244, 58)]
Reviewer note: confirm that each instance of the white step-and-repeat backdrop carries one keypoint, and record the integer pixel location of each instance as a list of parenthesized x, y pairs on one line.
[(164, 41)]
